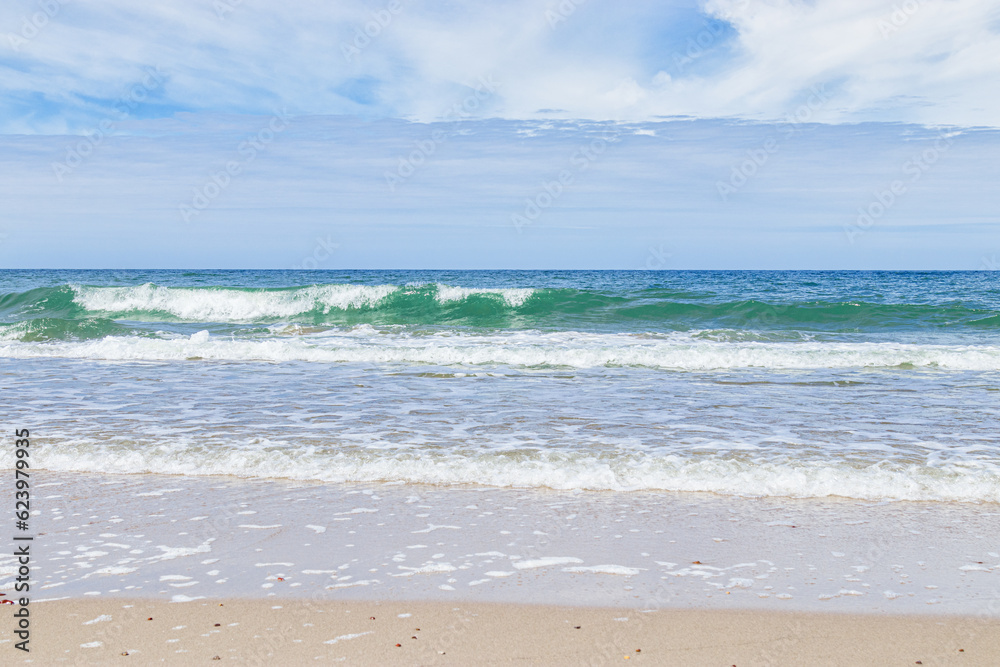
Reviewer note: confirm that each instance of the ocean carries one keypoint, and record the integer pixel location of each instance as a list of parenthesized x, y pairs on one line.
[(867, 385)]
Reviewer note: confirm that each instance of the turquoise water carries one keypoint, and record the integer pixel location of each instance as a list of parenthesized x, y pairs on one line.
[(874, 385), (68, 305)]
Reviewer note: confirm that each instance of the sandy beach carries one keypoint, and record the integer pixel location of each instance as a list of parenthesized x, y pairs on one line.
[(545, 332), (275, 572), (293, 632)]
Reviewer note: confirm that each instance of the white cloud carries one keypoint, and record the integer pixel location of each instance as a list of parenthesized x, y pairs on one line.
[(917, 60), (927, 61)]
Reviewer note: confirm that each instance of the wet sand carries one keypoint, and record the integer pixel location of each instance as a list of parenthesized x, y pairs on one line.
[(274, 572), (184, 538), (298, 632)]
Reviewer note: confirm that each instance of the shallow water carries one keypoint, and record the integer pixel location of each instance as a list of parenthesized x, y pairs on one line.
[(865, 385), (184, 538)]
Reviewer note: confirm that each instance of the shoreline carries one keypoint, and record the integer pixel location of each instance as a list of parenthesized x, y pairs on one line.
[(186, 538), (293, 573), (293, 632)]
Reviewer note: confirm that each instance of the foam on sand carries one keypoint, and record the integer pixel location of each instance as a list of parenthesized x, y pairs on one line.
[(545, 561), (603, 569)]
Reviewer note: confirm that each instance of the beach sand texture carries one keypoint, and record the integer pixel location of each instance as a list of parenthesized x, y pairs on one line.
[(291, 573), (293, 632)]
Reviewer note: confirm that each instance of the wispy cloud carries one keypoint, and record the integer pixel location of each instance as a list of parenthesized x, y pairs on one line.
[(607, 193), (923, 61)]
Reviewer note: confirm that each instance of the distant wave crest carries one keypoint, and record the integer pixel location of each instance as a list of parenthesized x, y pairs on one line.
[(440, 305)]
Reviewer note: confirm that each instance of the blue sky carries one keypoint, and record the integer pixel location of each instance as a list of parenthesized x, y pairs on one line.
[(520, 133)]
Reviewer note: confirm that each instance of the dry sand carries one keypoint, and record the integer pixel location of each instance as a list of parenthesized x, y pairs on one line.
[(299, 632)]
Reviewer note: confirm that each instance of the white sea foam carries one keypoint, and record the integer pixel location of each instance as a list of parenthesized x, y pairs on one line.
[(976, 567), (170, 553), (229, 305), (351, 584), (100, 619), (428, 568), (513, 296), (604, 569), (112, 570), (521, 349), (346, 637), (544, 561), (974, 481), (219, 304), (841, 593), (431, 527)]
